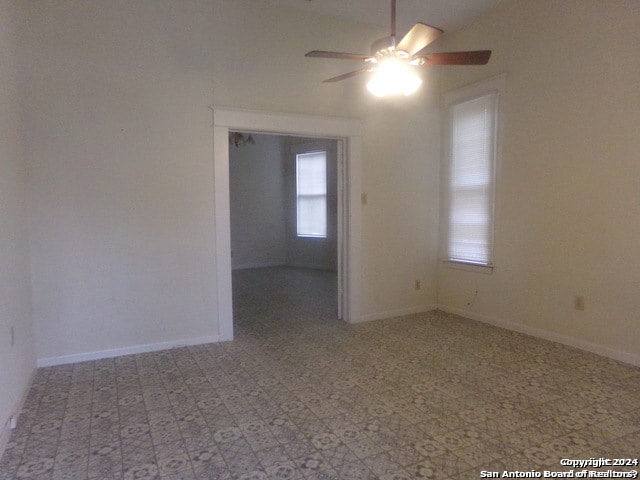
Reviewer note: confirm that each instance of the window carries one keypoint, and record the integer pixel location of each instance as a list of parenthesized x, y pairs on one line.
[(473, 133), (311, 194)]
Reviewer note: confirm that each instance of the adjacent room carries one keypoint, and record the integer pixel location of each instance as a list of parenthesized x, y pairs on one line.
[(227, 251), (284, 226)]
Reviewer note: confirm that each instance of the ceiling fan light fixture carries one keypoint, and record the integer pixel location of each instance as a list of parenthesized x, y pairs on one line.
[(393, 61), (394, 77)]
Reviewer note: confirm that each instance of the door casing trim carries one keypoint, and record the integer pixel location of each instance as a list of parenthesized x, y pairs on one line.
[(348, 131)]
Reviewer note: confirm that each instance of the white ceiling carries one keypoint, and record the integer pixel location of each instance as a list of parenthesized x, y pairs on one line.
[(448, 15)]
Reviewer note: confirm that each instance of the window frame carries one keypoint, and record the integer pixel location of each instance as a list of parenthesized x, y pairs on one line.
[(492, 86), (298, 195)]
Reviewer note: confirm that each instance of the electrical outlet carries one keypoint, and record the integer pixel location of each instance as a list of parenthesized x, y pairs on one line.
[(578, 302), (364, 199), (417, 285)]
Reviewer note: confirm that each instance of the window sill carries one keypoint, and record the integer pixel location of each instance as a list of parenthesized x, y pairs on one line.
[(312, 237), (469, 267)]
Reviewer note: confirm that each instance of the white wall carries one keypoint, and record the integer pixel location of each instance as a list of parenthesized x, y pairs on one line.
[(257, 190), (568, 201), (119, 161), (120, 180), (400, 218), (17, 360)]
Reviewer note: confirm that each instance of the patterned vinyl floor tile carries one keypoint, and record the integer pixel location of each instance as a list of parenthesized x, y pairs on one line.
[(300, 395)]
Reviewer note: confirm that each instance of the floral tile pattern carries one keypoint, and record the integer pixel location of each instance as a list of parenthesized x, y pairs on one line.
[(300, 395)]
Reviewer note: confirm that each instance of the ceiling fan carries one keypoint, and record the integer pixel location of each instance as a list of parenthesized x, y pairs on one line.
[(393, 60)]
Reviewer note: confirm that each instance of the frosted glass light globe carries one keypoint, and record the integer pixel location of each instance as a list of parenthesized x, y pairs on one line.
[(394, 77)]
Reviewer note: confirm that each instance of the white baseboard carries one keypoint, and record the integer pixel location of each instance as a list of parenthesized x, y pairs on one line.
[(605, 351), (5, 430), (396, 313), (116, 352), (246, 266), (311, 266)]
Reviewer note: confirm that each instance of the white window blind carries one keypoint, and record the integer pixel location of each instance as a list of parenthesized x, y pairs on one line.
[(471, 185), (311, 194)]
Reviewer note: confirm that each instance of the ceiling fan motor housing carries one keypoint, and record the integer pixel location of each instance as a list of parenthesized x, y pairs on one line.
[(386, 46), (382, 46)]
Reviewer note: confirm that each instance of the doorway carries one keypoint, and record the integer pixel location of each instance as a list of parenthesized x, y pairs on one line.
[(284, 227), (346, 132)]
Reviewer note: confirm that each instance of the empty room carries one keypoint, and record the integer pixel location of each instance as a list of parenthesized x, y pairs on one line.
[(318, 239)]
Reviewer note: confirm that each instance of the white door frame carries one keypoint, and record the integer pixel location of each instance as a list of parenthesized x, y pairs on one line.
[(346, 130)]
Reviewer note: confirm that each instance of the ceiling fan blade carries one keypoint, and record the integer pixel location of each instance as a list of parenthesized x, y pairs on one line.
[(338, 55), (418, 37), (346, 75), (477, 57)]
